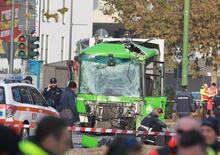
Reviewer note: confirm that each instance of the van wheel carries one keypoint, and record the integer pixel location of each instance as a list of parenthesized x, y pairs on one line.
[(24, 133)]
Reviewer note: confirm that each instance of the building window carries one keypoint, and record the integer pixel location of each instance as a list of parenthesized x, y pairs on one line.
[(43, 10), (62, 47), (37, 97), (48, 5), (46, 49), (42, 46), (63, 15)]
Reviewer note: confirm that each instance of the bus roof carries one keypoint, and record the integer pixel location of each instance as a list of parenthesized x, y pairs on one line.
[(121, 50)]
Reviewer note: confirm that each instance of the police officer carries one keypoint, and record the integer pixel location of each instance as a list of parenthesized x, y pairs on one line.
[(152, 123), (184, 103), (53, 94)]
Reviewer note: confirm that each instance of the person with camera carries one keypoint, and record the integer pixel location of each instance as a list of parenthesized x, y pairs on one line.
[(52, 94)]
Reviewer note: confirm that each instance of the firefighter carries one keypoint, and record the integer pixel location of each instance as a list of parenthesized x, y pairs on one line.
[(204, 99), (212, 91), (184, 103), (152, 123)]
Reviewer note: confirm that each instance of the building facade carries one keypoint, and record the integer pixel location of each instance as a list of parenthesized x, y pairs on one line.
[(25, 14), (102, 22), (58, 36)]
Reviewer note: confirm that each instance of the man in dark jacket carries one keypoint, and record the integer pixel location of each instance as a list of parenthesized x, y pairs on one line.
[(68, 105), (217, 105), (53, 93), (184, 103), (152, 123)]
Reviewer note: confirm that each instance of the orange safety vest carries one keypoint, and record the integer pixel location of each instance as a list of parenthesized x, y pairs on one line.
[(211, 92)]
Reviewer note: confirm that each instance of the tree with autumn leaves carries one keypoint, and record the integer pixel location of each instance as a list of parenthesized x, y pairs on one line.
[(164, 19)]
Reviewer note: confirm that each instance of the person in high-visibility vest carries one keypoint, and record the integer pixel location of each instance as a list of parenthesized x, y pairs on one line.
[(210, 132), (212, 91), (204, 99), (51, 138), (193, 143)]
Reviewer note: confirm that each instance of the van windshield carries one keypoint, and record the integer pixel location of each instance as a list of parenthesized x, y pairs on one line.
[(2, 95)]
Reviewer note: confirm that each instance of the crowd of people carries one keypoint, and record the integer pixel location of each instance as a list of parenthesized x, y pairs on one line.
[(193, 136), (209, 102)]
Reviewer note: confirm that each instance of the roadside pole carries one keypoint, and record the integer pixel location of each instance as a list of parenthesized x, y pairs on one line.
[(70, 39), (11, 59), (24, 61), (185, 43)]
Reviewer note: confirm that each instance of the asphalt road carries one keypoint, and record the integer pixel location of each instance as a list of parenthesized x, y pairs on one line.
[(101, 151)]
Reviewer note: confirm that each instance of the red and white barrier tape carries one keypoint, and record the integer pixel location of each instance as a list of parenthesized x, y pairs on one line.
[(102, 130), (118, 131)]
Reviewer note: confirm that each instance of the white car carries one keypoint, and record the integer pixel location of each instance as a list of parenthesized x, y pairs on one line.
[(22, 106)]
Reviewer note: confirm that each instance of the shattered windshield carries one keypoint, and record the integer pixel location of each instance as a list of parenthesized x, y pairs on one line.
[(122, 79)]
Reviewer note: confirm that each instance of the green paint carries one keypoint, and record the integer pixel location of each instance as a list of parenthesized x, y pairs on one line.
[(149, 104), (185, 60), (119, 51), (107, 99), (82, 98), (81, 107), (154, 102), (89, 141)]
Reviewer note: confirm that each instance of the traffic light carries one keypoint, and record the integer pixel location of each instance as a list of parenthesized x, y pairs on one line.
[(32, 46), (22, 47)]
